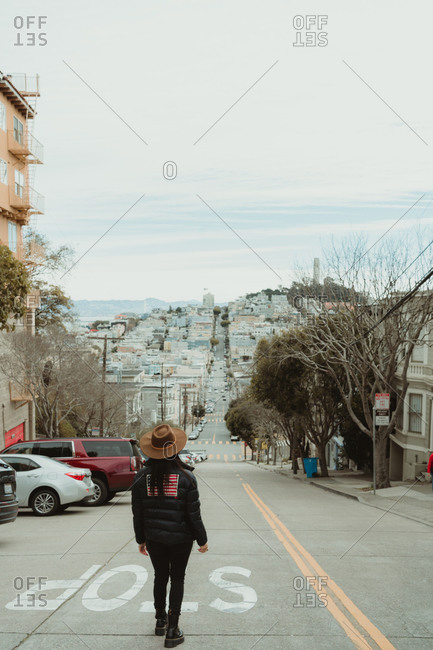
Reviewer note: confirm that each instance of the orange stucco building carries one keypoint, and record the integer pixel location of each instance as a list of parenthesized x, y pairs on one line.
[(20, 153)]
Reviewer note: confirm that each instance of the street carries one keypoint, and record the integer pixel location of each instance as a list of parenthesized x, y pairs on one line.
[(76, 580)]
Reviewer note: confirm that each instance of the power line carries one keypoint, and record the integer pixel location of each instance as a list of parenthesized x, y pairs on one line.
[(400, 303)]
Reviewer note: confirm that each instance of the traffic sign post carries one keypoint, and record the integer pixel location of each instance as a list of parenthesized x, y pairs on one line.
[(382, 401), (380, 418)]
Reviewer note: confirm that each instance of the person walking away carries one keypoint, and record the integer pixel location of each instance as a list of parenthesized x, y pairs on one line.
[(167, 520)]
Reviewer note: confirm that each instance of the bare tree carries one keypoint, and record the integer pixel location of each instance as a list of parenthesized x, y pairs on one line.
[(362, 355), (55, 370)]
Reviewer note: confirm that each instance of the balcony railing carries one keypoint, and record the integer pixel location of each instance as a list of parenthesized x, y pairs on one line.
[(24, 145), (27, 200), (27, 85), (419, 369)]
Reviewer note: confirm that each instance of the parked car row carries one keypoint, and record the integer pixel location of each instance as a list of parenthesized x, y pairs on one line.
[(113, 462), (48, 476), (197, 430), (192, 457)]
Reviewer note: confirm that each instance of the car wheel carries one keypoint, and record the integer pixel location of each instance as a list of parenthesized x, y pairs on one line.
[(63, 507), (110, 496), (44, 502), (101, 493)]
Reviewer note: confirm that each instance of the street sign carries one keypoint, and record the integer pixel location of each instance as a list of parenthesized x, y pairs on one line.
[(382, 401), (382, 417), (95, 431)]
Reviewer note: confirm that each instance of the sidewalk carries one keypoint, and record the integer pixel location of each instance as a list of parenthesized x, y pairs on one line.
[(409, 499)]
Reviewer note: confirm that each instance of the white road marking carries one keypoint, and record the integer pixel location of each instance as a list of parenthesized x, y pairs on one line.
[(249, 596), (92, 601)]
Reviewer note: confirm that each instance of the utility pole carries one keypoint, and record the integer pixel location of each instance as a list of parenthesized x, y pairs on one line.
[(162, 394), (104, 372), (180, 405), (185, 407), (194, 406)]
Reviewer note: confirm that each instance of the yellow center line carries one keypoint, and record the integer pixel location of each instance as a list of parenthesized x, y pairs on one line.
[(301, 557)]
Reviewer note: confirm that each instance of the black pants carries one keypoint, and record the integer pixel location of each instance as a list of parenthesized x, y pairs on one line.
[(169, 561)]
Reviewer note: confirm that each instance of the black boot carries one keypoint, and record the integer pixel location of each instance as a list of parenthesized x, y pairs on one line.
[(161, 622), (174, 635)]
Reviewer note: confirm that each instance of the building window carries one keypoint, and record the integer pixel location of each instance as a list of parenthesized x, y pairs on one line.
[(12, 236), (415, 413), (19, 183), (18, 130), (419, 348), (3, 171), (2, 116)]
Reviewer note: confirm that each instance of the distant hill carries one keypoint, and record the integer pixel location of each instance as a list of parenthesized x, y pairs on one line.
[(109, 308)]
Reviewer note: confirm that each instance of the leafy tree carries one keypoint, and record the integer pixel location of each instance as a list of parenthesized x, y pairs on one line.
[(225, 323), (214, 342), (42, 258), (198, 411), (278, 385), (239, 420), (66, 430), (55, 308), (42, 261), (99, 323), (14, 287), (216, 311)]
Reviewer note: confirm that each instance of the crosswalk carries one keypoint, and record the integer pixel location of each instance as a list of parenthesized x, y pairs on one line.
[(209, 442), (225, 457)]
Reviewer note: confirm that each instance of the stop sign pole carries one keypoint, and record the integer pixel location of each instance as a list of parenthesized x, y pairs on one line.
[(381, 404)]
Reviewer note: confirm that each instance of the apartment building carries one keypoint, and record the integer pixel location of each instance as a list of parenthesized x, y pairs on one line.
[(412, 442), (20, 153)]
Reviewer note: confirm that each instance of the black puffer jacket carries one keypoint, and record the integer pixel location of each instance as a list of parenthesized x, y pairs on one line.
[(172, 520)]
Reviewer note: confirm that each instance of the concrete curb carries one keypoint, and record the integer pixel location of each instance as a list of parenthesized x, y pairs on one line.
[(343, 493)]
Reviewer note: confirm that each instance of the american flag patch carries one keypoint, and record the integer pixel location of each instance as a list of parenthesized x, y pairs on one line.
[(170, 486)]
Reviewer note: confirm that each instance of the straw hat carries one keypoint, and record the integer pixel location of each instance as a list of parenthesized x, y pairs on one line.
[(163, 441)]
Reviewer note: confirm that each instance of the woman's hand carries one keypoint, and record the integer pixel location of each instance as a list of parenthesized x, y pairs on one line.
[(203, 549), (142, 549)]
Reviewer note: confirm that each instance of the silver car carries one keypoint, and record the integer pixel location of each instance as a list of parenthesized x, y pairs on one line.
[(47, 486)]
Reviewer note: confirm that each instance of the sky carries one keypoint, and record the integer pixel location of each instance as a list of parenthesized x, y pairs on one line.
[(279, 149)]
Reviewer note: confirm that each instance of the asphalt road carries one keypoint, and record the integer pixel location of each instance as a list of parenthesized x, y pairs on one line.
[(215, 440), (77, 581)]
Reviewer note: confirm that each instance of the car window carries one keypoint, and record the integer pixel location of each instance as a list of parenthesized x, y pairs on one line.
[(54, 448), (23, 464), (20, 448), (98, 448)]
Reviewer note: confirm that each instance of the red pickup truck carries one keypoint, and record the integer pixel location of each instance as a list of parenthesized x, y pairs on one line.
[(113, 462)]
